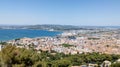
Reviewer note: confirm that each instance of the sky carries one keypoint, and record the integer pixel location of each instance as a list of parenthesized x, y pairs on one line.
[(64, 12)]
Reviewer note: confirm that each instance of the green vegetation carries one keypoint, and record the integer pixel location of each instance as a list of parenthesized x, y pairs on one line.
[(67, 45), (3, 43), (115, 65), (93, 38), (21, 57)]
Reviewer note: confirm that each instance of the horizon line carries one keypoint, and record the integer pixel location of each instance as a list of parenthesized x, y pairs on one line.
[(51, 24)]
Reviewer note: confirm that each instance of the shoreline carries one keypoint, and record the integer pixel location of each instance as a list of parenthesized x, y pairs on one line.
[(36, 33)]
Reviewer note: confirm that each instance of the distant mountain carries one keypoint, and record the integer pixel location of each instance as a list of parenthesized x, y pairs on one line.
[(42, 27), (55, 27)]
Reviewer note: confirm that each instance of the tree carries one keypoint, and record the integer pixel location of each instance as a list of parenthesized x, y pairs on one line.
[(115, 65), (40, 64), (62, 63)]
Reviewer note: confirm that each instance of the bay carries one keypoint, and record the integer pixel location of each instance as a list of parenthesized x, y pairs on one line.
[(10, 34)]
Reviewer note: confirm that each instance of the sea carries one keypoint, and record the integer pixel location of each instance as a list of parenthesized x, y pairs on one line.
[(11, 34)]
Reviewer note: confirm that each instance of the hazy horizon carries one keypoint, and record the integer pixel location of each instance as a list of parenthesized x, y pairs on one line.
[(60, 12), (60, 24)]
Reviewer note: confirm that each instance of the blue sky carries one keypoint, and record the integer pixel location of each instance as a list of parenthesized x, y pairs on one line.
[(68, 12)]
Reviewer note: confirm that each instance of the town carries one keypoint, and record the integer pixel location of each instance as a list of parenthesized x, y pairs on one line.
[(76, 41)]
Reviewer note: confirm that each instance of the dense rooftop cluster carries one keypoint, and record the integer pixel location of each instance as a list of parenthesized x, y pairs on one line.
[(75, 42)]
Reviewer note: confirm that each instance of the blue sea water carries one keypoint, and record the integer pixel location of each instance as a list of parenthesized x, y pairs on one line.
[(10, 34)]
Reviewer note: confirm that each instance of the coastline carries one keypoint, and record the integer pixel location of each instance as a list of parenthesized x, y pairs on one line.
[(11, 34)]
